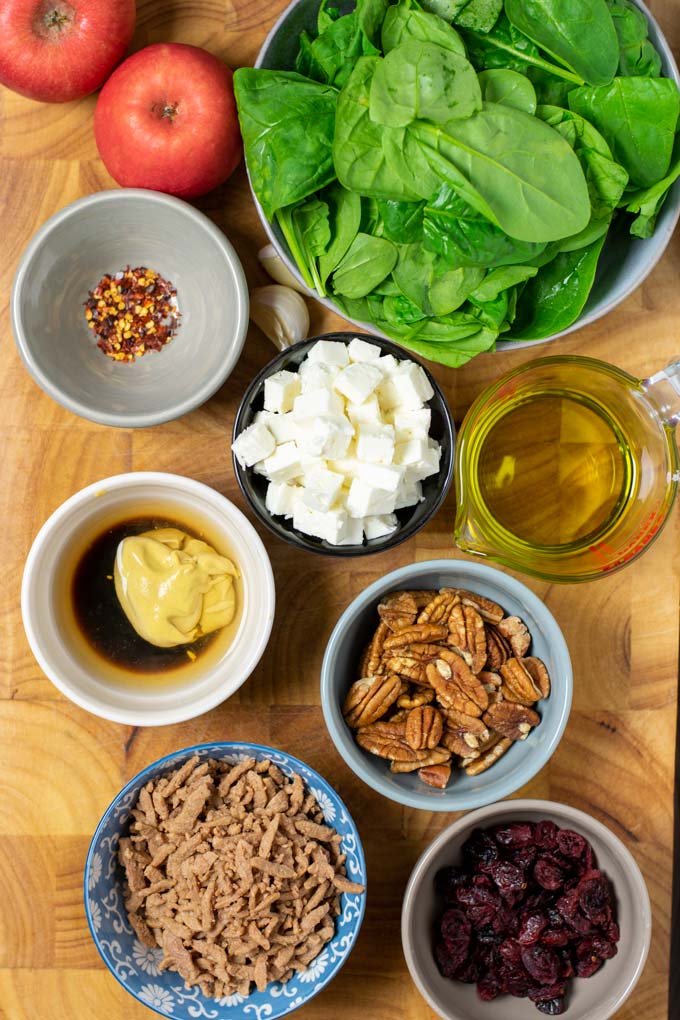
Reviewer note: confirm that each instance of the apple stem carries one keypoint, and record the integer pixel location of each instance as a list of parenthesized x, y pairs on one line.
[(165, 110)]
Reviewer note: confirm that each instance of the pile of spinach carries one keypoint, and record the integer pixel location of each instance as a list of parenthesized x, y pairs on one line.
[(448, 170)]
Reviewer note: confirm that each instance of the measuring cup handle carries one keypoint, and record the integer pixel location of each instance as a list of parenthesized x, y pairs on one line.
[(663, 389)]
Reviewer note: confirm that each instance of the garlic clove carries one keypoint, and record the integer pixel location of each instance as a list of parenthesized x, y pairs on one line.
[(272, 263), (280, 313)]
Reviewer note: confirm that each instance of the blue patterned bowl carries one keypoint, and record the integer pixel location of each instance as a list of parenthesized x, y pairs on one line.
[(136, 967)]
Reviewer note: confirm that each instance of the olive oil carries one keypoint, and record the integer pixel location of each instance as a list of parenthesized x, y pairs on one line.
[(555, 470)]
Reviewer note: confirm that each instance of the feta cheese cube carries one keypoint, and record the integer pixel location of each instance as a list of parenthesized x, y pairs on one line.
[(321, 488), (329, 352), (284, 464), (411, 386), (327, 435), (357, 382), (368, 412), (388, 364), (380, 527), (361, 350), (412, 424), (329, 525), (411, 452), (353, 532), (375, 443), (318, 402), (347, 466), (253, 444), (283, 427), (316, 376), (282, 497), (381, 476), (409, 493), (426, 465), (280, 390), (365, 500)]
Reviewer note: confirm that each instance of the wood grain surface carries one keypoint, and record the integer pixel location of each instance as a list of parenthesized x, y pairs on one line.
[(60, 767)]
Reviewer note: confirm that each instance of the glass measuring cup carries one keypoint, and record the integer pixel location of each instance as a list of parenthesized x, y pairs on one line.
[(567, 467)]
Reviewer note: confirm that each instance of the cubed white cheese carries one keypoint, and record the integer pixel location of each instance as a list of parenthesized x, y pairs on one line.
[(380, 527), (318, 402), (329, 352), (284, 464), (365, 500), (282, 497), (321, 488), (408, 494), (411, 386), (283, 427), (360, 350), (426, 465), (368, 412), (330, 525), (381, 476), (357, 382), (280, 390), (412, 424), (353, 532), (327, 435), (375, 443), (388, 364), (316, 376), (253, 444), (347, 466), (411, 452)]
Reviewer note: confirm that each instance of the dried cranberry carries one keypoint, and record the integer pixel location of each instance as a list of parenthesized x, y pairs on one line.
[(568, 904), (533, 926), (595, 897), (524, 857), (548, 875), (611, 930), (545, 835), (586, 968), (468, 973), (566, 964), (511, 952), (445, 962), (517, 983), (518, 834), (508, 877), (481, 916), (489, 987), (553, 1007), (570, 843), (486, 936), (480, 849), (542, 964), (595, 945), (555, 937), (455, 929), (447, 881), (541, 993)]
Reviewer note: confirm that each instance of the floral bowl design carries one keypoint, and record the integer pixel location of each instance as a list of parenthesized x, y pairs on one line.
[(136, 966)]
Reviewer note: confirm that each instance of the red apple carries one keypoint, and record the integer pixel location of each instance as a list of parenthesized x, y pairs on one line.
[(57, 50), (166, 120)]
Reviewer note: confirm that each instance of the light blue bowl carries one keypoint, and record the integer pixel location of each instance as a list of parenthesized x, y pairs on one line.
[(518, 765), (136, 967)]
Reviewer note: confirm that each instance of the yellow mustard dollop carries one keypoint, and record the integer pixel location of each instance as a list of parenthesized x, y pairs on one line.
[(173, 588)]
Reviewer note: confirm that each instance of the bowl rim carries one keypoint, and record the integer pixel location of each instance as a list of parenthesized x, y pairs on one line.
[(582, 820), (191, 707), (502, 345), (296, 538), (127, 419), (186, 752), (350, 751)]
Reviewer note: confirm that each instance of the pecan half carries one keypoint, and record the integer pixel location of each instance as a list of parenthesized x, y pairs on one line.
[(449, 693), (419, 632), (489, 758), (386, 740), (437, 756), (498, 648), (517, 633), (539, 674), (370, 698), (435, 775), (424, 727), (464, 734), (405, 665), (399, 610), (511, 720), (363, 662), (467, 636), (372, 665), (439, 608), (491, 680), (487, 609), (518, 683), (414, 699)]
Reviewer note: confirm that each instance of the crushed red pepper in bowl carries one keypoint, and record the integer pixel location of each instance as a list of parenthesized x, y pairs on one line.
[(132, 312)]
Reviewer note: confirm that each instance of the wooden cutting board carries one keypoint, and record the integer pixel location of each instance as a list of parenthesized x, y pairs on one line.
[(60, 767)]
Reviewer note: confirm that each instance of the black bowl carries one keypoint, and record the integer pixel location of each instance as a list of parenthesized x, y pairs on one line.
[(411, 519)]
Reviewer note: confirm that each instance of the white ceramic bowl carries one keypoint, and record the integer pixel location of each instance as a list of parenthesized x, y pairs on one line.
[(65, 657), (594, 998)]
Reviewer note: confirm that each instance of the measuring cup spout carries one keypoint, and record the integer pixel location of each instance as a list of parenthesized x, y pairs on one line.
[(467, 535), (663, 391)]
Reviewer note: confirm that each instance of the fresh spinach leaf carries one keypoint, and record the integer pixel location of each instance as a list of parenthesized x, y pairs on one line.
[(328, 13), (399, 311), (480, 15), (307, 232), (445, 9), (420, 80), (637, 55), (402, 221), (287, 125), (435, 289), (510, 158), (499, 85), (463, 237), (647, 203), (638, 118), (344, 217), (409, 163), (498, 280), (506, 46), (358, 155), (406, 21), (494, 313), (555, 297), (331, 56), (366, 264), (580, 35), (371, 14)]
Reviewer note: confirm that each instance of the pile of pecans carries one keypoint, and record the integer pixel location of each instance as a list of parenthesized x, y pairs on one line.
[(446, 678)]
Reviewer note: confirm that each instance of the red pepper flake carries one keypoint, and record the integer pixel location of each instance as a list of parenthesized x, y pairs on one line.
[(132, 312)]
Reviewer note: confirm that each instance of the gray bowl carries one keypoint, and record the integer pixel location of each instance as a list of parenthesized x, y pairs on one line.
[(594, 998), (103, 234), (625, 261)]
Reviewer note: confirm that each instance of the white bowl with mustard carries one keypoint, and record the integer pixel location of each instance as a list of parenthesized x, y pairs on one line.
[(147, 598)]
